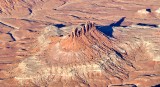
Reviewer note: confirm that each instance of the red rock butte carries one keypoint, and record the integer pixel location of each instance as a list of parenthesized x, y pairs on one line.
[(48, 43), (83, 43)]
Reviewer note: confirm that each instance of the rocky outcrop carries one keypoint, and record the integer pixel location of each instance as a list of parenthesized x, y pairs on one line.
[(41, 43), (84, 42), (82, 31), (85, 56)]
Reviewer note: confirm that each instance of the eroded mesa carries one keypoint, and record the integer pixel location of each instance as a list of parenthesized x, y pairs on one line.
[(78, 43)]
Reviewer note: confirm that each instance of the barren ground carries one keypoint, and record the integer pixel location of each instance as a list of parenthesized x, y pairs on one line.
[(79, 43)]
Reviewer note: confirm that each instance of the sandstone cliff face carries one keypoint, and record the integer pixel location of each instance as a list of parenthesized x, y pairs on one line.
[(47, 43)]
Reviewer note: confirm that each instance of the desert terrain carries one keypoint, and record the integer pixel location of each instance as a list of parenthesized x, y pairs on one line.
[(79, 43)]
